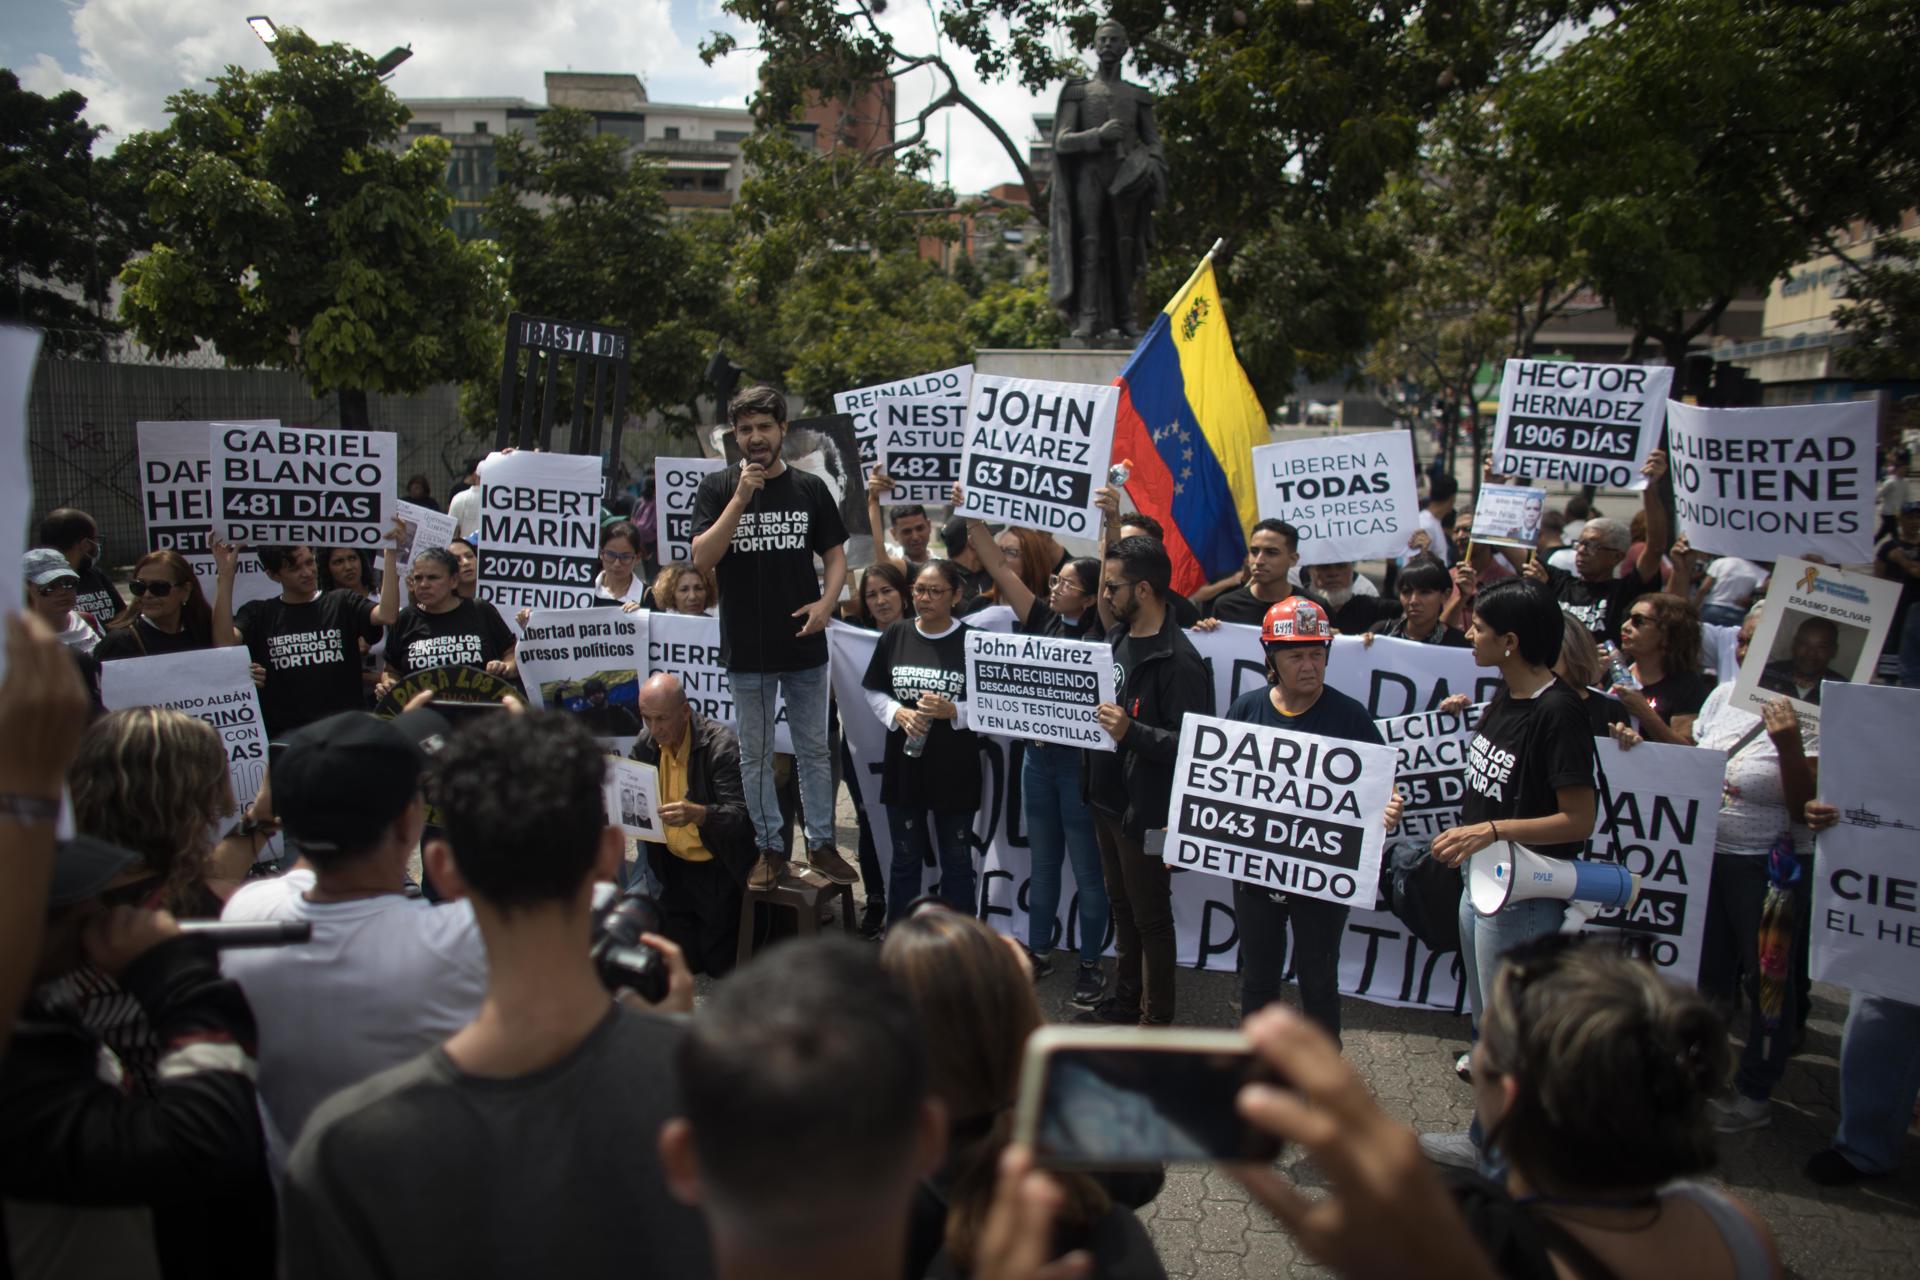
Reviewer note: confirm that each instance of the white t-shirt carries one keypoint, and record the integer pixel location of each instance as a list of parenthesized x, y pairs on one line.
[(465, 510), (1734, 581), (1442, 548), (1753, 804), (383, 980), (636, 588)]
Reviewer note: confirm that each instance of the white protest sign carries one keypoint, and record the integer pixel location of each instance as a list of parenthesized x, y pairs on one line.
[(176, 466), (1036, 451), (946, 384), (284, 486), (1282, 810), (19, 349), (1389, 678), (211, 685), (1820, 624), (1038, 688), (589, 662), (421, 528), (689, 647), (1659, 810), (1767, 483), (1379, 959), (1508, 515), (1351, 497), (539, 531), (1865, 919), (632, 791), (675, 481), (1430, 768), (918, 441), (1577, 424)]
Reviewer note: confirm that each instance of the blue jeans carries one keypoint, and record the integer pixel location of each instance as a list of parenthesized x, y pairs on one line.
[(1484, 939), (1723, 615), (1879, 1079), (754, 693), (915, 835), (1060, 826)]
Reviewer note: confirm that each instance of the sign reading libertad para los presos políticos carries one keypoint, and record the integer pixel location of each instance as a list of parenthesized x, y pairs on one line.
[(1281, 810), (920, 442), (1039, 688), (1579, 423), (300, 486), (1350, 497), (944, 384), (1036, 451), (539, 530)]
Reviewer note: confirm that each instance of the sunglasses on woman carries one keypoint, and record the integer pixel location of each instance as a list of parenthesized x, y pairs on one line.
[(140, 587), (53, 588)]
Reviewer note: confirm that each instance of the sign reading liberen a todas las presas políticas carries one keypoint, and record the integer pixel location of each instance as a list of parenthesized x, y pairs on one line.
[(944, 384), (1039, 688), (539, 530), (299, 486), (1579, 423), (919, 446), (1288, 811), (1430, 773), (675, 481), (1764, 483), (1349, 497), (1036, 451)]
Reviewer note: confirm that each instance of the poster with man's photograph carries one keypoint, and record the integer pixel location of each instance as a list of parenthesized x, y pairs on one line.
[(632, 795), (606, 702), (1820, 624), (824, 446)]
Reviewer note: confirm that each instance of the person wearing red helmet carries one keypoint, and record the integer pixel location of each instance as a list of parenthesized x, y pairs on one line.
[(1297, 636)]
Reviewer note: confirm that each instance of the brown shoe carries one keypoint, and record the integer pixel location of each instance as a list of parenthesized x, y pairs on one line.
[(765, 874), (827, 861)]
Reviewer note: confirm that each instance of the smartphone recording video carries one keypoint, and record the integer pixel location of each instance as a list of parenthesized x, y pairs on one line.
[(1104, 1099)]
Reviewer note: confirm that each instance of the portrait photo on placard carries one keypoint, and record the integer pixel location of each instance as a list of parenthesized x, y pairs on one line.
[(633, 808), (404, 544), (1809, 648), (606, 702)]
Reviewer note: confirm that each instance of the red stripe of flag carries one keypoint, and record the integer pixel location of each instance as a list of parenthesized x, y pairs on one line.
[(1151, 488)]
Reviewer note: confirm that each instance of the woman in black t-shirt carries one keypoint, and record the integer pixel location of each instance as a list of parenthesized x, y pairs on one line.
[(930, 779), (168, 613), (441, 629), (1661, 636), (1530, 771)]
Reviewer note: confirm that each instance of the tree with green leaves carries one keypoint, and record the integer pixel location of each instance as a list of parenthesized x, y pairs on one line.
[(290, 231), (67, 218), (1882, 313)]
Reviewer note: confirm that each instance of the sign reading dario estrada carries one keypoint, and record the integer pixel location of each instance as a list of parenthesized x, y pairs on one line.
[(1036, 451), (1579, 423), (1038, 688)]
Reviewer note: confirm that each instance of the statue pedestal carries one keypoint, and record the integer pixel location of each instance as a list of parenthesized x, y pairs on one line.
[(1056, 364)]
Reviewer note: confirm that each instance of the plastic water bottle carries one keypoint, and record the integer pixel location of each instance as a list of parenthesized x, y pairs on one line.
[(1120, 472), (1619, 671), (916, 743)]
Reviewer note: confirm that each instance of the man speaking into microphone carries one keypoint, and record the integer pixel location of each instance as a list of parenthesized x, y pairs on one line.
[(757, 526)]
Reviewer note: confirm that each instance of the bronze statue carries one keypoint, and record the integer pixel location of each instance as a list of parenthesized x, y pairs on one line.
[(1109, 175)]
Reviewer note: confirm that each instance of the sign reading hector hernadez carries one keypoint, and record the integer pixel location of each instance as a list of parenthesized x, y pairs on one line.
[(1039, 688), (280, 486), (1579, 423), (1036, 451), (1282, 810)]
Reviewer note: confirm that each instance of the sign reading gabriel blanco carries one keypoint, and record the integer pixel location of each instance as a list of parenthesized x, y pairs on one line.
[(277, 486), (1579, 423), (1038, 688), (1035, 452), (1282, 810)]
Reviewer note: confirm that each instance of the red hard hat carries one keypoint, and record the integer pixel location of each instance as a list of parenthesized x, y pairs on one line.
[(1296, 620)]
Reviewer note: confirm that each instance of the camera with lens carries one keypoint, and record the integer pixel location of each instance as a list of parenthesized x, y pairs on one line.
[(619, 957)]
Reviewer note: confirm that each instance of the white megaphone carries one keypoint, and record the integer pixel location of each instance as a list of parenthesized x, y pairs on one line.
[(1505, 872)]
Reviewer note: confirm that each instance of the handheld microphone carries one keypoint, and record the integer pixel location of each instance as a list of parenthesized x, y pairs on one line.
[(253, 933)]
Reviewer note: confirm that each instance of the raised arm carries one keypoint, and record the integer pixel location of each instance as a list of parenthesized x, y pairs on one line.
[(878, 482), (1659, 527), (1013, 592), (710, 544), (226, 563), (388, 610)]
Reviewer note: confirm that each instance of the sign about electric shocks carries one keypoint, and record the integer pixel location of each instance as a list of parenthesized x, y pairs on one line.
[(1351, 497), (539, 531), (1579, 423), (280, 486), (1281, 810), (1036, 451), (1039, 689)]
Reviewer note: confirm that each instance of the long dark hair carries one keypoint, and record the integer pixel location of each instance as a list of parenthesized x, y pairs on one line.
[(196, 618), (889, 572)]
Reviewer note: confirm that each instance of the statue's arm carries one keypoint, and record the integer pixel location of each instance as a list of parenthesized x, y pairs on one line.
[(1068, 139), (1149, 126)]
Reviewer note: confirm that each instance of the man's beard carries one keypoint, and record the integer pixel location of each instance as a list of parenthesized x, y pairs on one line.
[(1337, 599)]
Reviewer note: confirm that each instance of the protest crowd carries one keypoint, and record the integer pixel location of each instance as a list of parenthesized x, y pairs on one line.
[(479, 845)]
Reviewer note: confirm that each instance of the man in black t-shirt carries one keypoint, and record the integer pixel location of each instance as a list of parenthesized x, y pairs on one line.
[(305, 644), (1349, 610), (1273, 549), (757, 526), (1592, 593), (1898, 560), (74, 535)]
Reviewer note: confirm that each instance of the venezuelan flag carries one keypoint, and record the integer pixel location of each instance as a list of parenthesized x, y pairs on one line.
[(1189, 421)]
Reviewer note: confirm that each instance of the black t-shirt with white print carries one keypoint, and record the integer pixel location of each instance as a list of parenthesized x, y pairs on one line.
[(468, 635), (1524, 751), (1599, 606), (946, 777), (96, 594), (312, 655), (767, 571)]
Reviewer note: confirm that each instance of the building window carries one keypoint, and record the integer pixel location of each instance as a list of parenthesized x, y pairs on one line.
[(631, 130), (422, 126), (730, 135), (712, 182), (479, 126), (671, 133)]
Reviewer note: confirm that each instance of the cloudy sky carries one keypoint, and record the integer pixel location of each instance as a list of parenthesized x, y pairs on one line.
[(128, 55)]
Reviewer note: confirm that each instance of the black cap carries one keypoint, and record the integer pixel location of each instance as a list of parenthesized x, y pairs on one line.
[(83, 867), (339, 782)]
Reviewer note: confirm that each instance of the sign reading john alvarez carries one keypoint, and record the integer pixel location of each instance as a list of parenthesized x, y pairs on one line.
[(1579, 423), (280, 486), (675, 480), (919, 446), (1039, 689), (946, 384), (539, 530), (1036, 451), (1351, 497), (1278, 809), (1430, 772), (1767, 483)]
